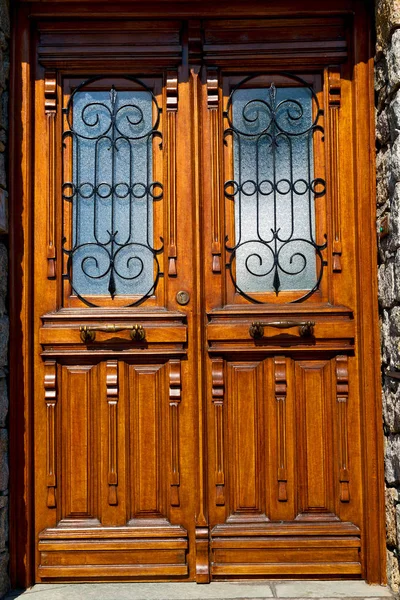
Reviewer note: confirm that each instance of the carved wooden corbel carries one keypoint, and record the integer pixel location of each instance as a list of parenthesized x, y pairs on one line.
[(217, 374), (342, 396), (213, 106), (50, 398), (172, 107), (175, 393), (112, 401), (202, 541), (280, 397), (334, 103), (50, 107)]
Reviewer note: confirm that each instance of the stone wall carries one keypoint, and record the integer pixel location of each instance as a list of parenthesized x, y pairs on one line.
[(4, 75), (387, 88)]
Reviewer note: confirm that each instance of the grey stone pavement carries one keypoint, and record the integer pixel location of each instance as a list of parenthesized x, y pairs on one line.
[(244, 590)]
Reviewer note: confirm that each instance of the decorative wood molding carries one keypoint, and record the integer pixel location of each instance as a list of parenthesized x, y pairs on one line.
[(218, 385), (212, 89), (50, 107), (172, 107), (50, 92), (280, 377), (175, 394), (334, 103), (50, 398), (112, 401), (195, 42), (213, 106), (335, 88), (342, 396)]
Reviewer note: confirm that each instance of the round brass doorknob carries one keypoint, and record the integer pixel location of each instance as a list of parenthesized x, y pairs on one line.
[(182, 297)]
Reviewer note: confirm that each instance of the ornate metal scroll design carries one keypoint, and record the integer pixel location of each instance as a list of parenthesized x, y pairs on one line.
[(213, 104), (335, 89), (275, 125), (50, 398), (172, 107), (112, 126), (112, 401), (50, 107), (175, 393), (217, 374), (342, 395), (280, 396)]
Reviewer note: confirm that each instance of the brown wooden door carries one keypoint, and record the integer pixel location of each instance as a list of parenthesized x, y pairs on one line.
[(201, 300), (283, 413)]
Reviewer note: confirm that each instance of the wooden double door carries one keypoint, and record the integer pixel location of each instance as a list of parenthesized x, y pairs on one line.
[(205, 400)]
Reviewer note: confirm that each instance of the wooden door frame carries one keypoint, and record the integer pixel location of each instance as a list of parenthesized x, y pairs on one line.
[(22, 540)]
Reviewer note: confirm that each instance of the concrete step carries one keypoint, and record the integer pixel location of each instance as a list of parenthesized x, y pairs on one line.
[(244, 590)]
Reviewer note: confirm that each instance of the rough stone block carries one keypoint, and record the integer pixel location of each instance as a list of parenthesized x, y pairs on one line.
[(393, 572), (3, 207), (391, 496), (390, 244), (386, 285), (4, 110), (389, 341), (4, 473), (391, 404), (3, 174), (398, 525), (392, 460), (380, 74), (3, 277), (4, 579), (3, 522), (382, 128), (383, 174), (393, 61), (387, 15), (4, 333), (3, 402), (394, 115)]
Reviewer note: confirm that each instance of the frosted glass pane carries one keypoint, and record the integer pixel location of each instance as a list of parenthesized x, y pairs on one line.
[(112, 193), (273, 189)]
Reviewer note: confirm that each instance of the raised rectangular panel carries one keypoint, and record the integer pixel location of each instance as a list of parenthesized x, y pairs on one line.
[(313, 404), (80, 441), (246, 439), (147, 426)]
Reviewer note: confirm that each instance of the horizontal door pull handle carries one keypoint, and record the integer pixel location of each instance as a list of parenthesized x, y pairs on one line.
[(88, 334), (306, 328)]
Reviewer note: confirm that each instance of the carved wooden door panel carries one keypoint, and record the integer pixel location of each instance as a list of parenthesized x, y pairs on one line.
[(283, 360), (201, 407), (115, 369)]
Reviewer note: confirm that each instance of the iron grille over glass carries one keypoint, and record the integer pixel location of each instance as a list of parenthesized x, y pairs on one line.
[(274, 188), (109, 135)]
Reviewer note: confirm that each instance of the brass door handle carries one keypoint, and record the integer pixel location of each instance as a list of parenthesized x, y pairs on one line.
[(306, 328), (88, 334)]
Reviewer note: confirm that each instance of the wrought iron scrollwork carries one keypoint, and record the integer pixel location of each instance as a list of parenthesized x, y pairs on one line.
[(110, 243), (269, 135)]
